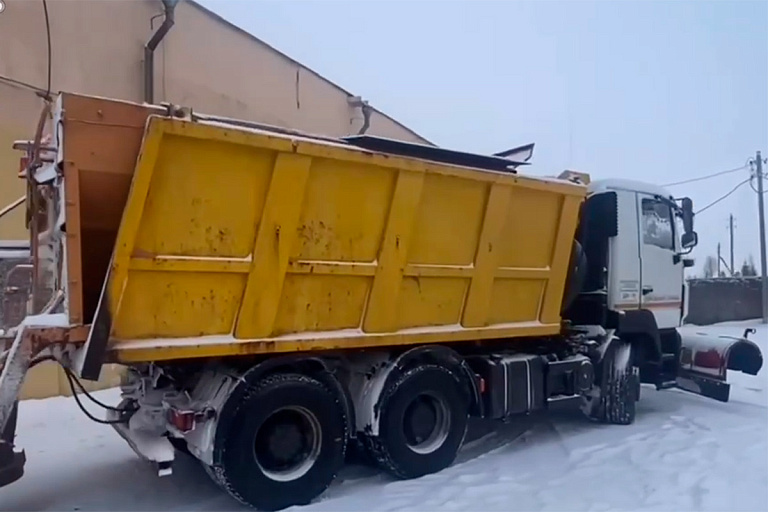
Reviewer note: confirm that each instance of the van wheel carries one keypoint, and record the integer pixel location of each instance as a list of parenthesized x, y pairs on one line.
[(423, 422), (619, 387), (286, 443)]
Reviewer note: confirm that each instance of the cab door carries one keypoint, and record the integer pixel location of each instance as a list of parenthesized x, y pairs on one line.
[(661, 267)]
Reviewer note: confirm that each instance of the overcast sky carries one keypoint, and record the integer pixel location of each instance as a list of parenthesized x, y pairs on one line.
[(657, 91)]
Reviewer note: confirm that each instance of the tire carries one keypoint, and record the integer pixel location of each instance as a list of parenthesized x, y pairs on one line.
[(283, 416), (435, 393), (619, 386)]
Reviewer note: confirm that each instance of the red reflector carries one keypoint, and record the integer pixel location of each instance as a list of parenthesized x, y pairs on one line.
[(481, 385), (182, 421), (709, 359)]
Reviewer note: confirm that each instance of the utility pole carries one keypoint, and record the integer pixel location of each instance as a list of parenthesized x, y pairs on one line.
[(761, 217), (730, 228)]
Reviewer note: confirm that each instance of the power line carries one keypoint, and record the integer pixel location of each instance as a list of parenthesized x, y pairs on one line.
[(22, 85), (734, 189), (708, 176), (45, 93), (752, 185)]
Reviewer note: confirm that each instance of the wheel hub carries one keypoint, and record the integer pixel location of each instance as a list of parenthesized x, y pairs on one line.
[(287, 444), (426, 423)]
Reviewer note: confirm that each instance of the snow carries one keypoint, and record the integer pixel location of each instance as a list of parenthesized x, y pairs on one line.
[(683, 453), (47, 320)]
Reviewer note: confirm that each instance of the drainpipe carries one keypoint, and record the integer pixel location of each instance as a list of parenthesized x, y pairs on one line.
[(149, 50), (357, 101)]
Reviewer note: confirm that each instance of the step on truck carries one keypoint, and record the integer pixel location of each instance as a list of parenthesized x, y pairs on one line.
[(277, 297)]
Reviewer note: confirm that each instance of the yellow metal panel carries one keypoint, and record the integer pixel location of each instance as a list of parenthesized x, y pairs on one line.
[(530, 229), (345, 211), (448, 221), (175, 304), (275, 241), (205, 199), (321, 303), (430, 301), (381, 315), (486, 257), (514, 300)]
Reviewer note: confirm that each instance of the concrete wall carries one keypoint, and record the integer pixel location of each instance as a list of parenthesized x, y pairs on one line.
[(204, 62), (723, 300)]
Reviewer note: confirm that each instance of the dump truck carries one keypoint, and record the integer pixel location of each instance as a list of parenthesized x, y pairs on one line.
[(278, 297)]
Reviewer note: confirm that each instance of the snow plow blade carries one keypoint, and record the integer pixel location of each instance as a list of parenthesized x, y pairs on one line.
[(705, 360), (11, 462)]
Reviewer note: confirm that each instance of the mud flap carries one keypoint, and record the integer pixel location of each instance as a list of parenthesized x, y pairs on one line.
[(706, 359), (11, 462)]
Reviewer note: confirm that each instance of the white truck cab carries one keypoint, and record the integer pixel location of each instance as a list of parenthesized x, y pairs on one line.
[(633, 239), (646, 260)]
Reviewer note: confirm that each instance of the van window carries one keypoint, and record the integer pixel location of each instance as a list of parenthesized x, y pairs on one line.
[(657, 224)]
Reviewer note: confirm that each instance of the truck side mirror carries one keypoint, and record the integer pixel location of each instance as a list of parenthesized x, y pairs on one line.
[(687, 207), (689, 239)]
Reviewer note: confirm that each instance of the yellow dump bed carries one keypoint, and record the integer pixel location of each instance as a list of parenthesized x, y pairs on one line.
[(240, 241)]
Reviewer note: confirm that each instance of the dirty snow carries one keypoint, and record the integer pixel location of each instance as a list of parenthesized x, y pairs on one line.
[(683, 453)]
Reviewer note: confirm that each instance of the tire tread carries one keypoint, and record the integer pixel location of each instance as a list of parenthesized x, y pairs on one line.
[(219, 474)]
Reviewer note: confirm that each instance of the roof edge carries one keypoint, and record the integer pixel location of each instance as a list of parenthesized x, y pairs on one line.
[(230, 24)]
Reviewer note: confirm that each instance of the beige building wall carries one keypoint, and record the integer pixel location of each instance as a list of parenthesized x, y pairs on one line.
[(204, 62)]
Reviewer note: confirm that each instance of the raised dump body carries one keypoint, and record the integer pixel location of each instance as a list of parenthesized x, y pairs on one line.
[(263, 242)]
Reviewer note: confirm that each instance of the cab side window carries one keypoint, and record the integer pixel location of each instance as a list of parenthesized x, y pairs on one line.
[(657, 224)]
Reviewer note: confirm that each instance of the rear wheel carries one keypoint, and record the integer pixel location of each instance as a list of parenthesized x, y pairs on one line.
[(286, 443), (423, 421)]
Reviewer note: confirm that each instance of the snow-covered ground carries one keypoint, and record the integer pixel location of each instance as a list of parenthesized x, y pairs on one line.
[(683, 453)]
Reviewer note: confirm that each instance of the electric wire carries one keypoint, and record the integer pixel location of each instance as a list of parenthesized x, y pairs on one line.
[(74, 383), (48, 34), (734, 189), (706, 177), (45, 93), (22, 85)]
